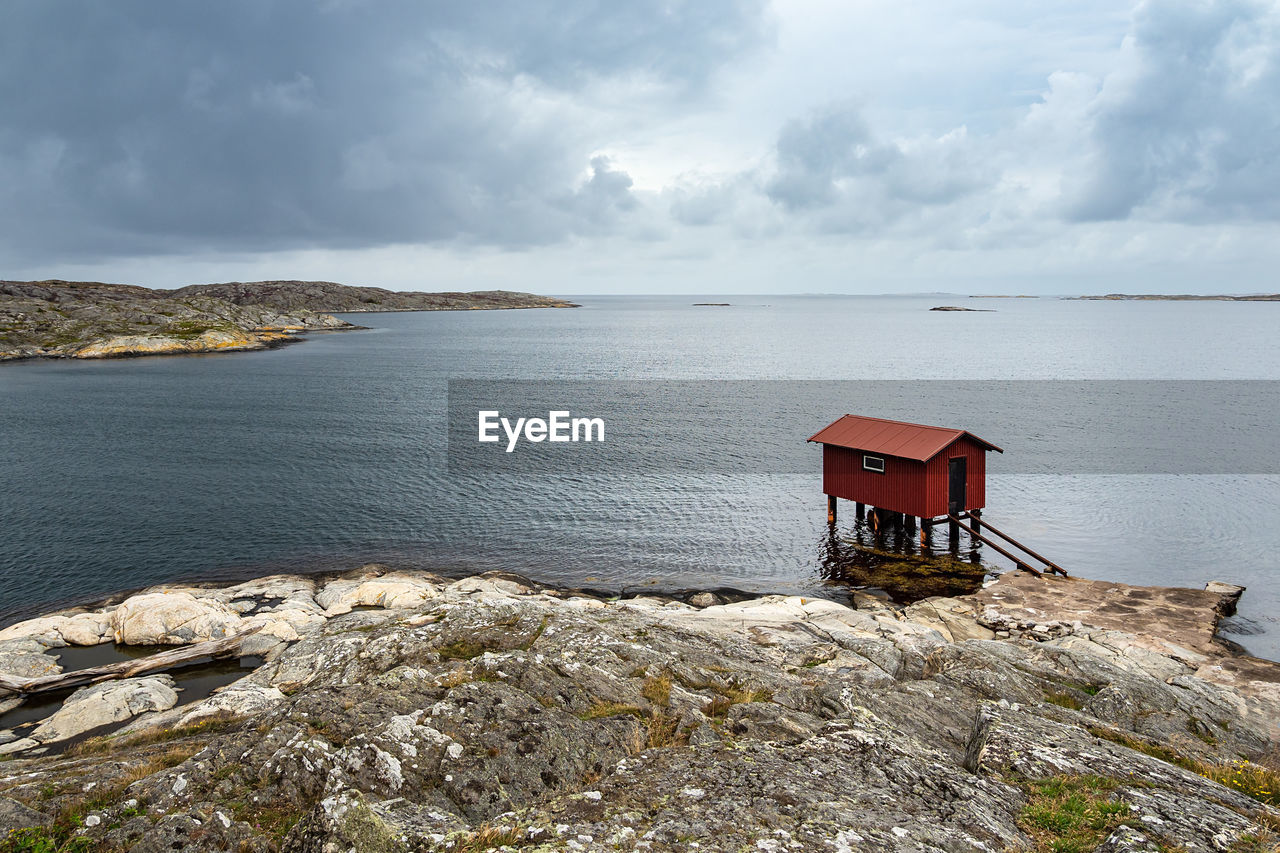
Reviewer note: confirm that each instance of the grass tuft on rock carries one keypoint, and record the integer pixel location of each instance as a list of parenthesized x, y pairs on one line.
[(40, 839), (1063, 699), (460, 650), (274, 821), (717, 708), (1071, 814), (657, 689), (1146, 747), (734, 694), (601, 710), (662, 729), (110, 743), (488, 838), (1252, 780), (1265, 841)]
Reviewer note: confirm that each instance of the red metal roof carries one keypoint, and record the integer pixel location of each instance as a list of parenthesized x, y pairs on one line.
[(893, 438)]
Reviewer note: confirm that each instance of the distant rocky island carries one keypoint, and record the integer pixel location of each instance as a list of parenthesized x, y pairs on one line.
[(1184, 297), (958, 308), (343, 298), (79, 319)]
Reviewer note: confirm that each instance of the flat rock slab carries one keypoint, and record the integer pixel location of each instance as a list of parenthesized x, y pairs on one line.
[(102, 704), (14, 815), (1171, 618)]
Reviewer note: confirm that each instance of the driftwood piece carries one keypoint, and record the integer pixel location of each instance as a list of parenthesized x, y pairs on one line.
[(125, 669)]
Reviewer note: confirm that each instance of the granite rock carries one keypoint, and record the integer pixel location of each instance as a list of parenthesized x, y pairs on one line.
[(99, 705), (489, 712), (172, 618)]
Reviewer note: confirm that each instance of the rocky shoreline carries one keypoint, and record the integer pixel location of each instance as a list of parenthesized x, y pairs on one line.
[(67, 319), (1180, 297), (407, 711)]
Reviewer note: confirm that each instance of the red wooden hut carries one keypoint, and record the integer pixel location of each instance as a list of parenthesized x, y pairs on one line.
[(916, 470)]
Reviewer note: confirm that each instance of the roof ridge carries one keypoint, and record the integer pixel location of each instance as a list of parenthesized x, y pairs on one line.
[(902, 423), (890, 437)]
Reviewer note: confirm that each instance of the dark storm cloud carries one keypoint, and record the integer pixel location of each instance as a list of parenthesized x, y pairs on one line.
[(1188, 129), (135, 127)]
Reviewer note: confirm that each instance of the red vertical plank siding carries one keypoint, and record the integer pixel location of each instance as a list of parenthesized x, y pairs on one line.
[(936, 485), (907, 486), (899, 489), (977, 486)]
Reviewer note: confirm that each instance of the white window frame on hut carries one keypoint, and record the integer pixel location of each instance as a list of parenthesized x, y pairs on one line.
[(868, 463)]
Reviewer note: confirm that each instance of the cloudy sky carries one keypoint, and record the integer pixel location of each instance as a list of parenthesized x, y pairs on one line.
[(697, 146)]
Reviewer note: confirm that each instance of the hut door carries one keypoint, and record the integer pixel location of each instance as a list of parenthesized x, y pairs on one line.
[(959, 473)]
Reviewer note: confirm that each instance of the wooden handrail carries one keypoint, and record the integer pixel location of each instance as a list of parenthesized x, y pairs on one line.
[(1006, 537), (984, 540)]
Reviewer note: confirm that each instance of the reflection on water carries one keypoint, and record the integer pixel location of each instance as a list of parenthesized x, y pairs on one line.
[(905, 563), (194, 680)]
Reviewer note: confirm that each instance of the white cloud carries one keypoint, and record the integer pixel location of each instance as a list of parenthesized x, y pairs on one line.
[(1187, 127)]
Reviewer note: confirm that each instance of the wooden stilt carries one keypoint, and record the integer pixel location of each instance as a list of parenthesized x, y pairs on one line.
[(831, 509), (860, 510), (953, 535), (975, 518), (909, 522)]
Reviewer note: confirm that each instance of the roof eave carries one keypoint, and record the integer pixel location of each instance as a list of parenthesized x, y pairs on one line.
[(988, 445)]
